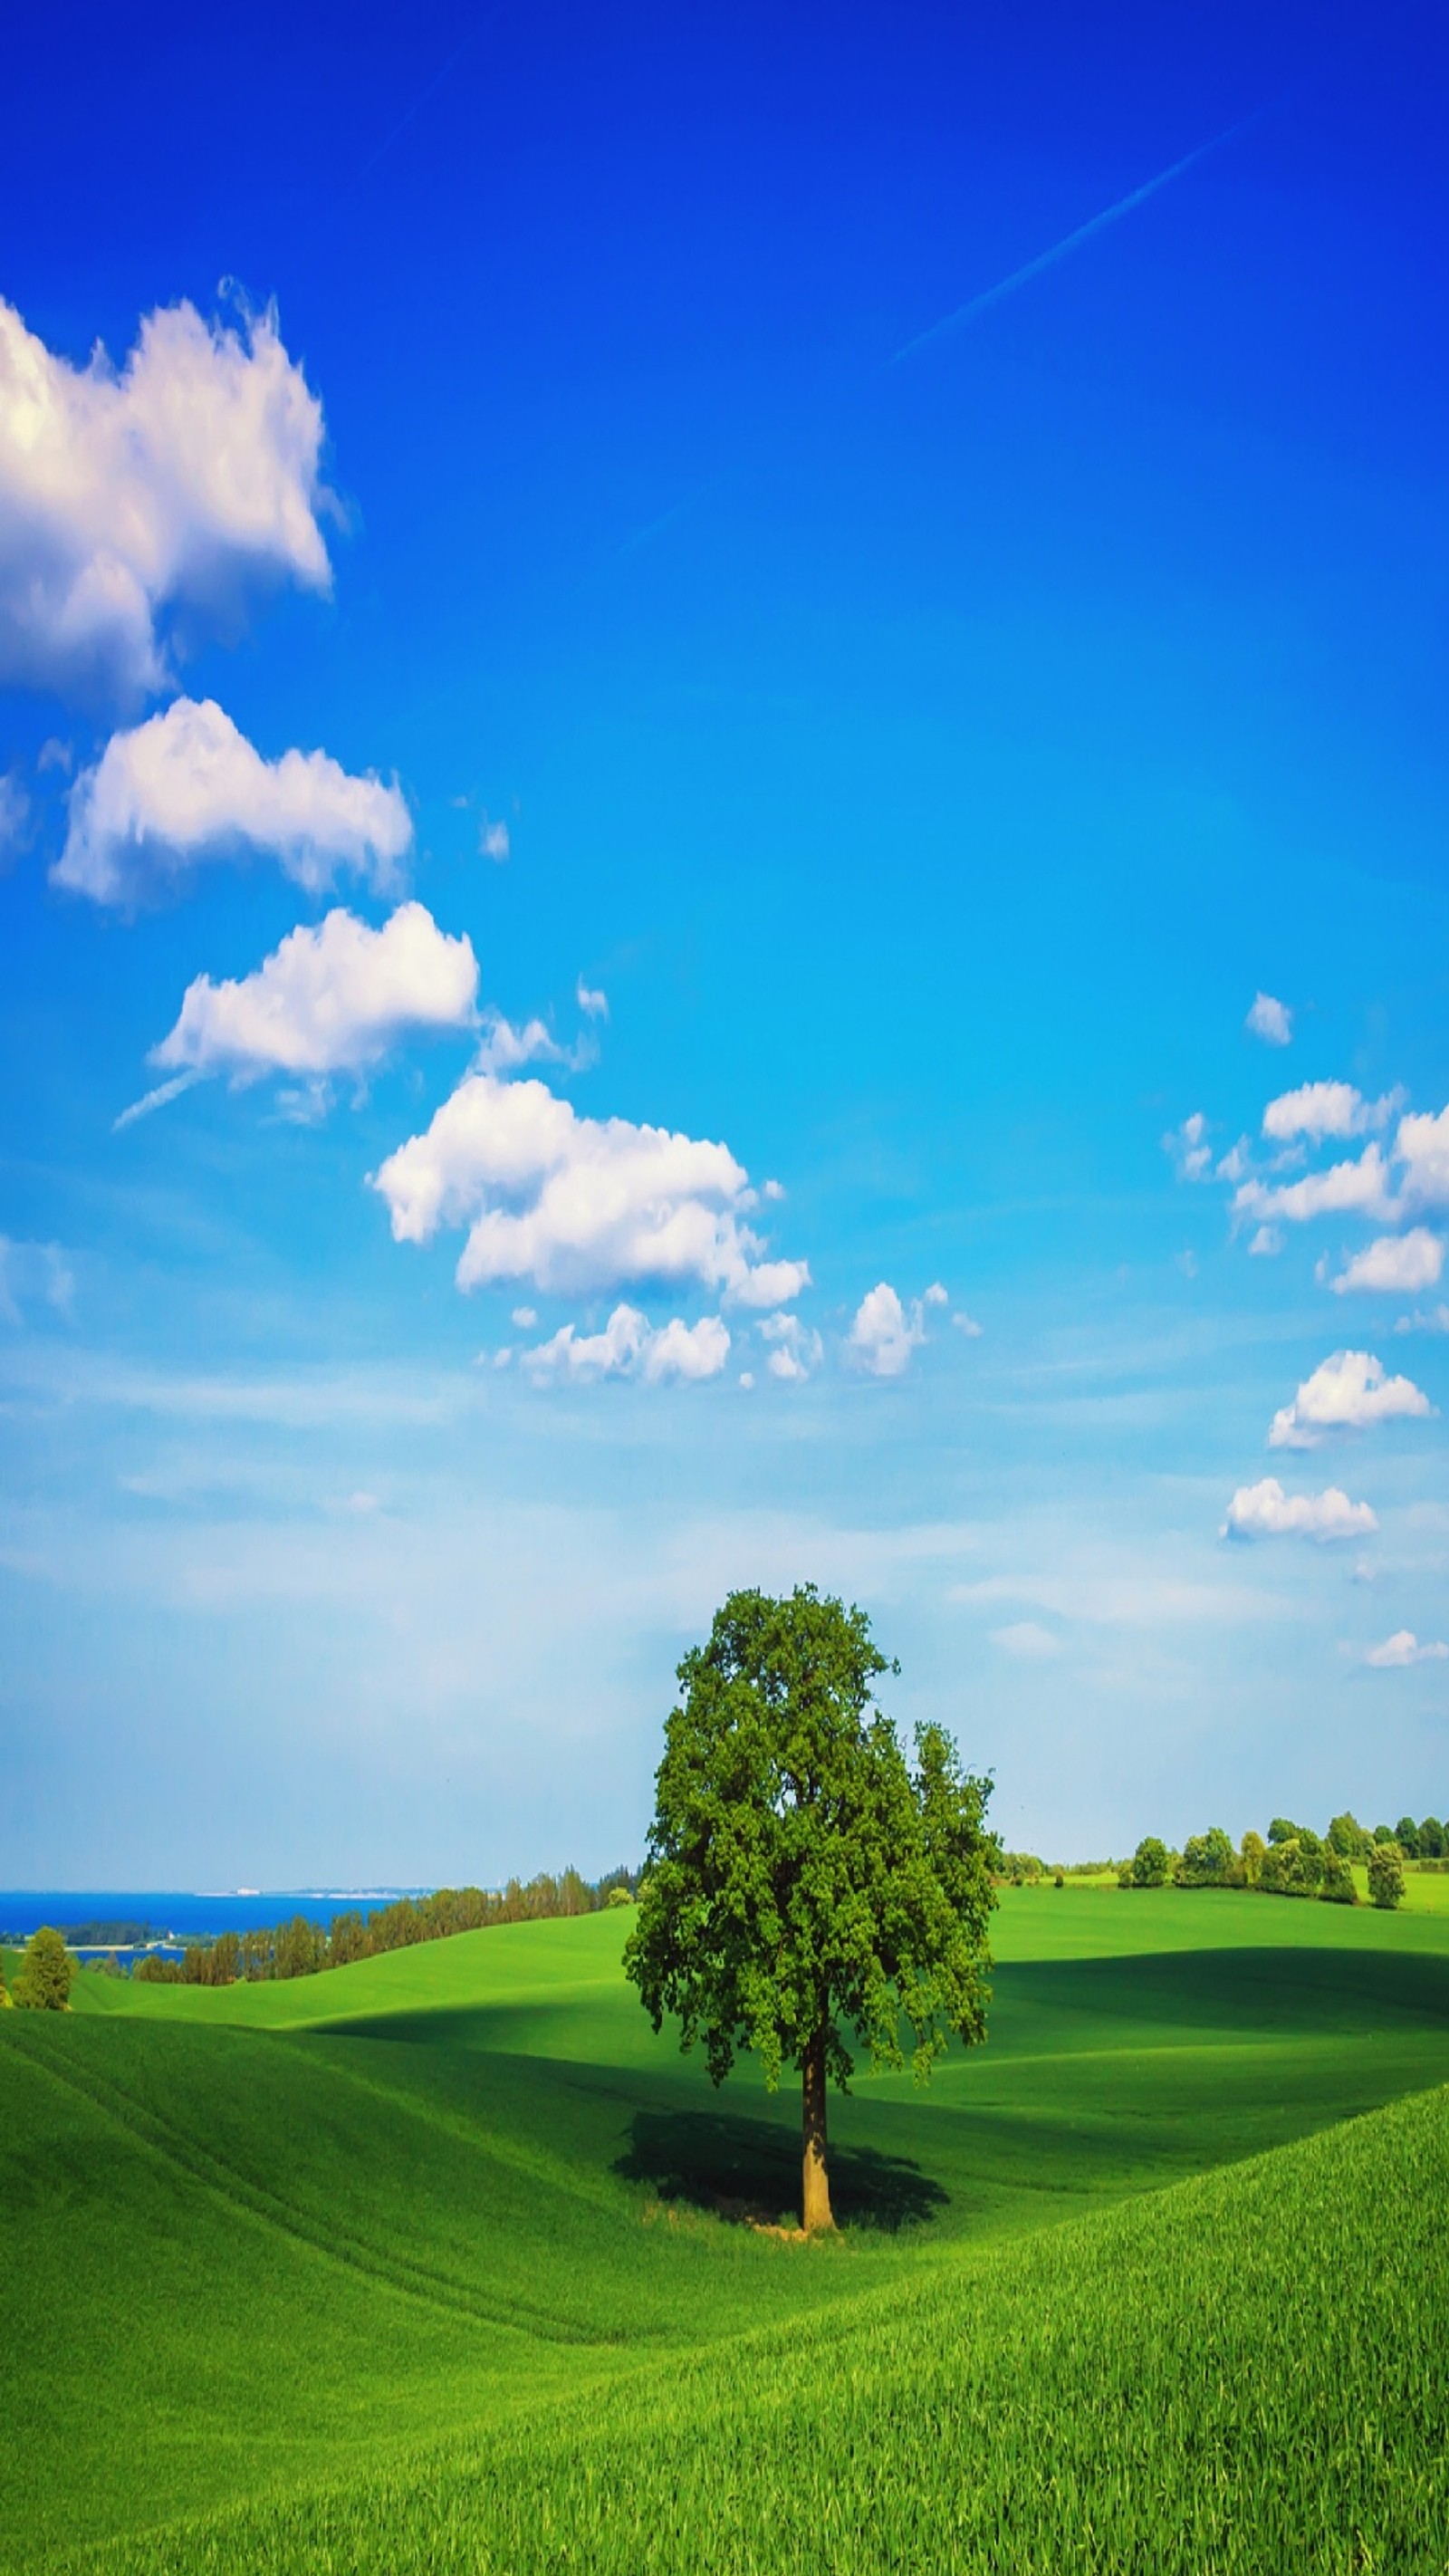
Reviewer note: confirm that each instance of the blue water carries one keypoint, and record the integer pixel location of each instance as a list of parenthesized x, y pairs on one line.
[(23, 1910)]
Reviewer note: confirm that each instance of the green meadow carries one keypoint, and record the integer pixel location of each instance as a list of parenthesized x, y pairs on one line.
[(445, 2261)]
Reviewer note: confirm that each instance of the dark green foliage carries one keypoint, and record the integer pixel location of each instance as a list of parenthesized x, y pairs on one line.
[(1386, 1875), (1208, 1860), (1406, 1835), (1021, 1869), (1283, 1830), (802, 1880), (1431, 1838), (47, 1972), (1347, 1837), (1150, 1862), (1383, 1833)]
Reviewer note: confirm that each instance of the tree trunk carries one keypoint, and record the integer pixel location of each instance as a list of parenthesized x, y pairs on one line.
[(815, 2194)]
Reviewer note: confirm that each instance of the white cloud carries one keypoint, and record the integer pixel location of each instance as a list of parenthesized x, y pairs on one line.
[(186, 789), (575, 1203), (968, 1325), (1265, 1511), (628, 1348), (1403, 1649), (1349, 1391), (1319, 1109), (178, 484), (797, 1350), (1436, 1321), (1270, 1020), (1267, 1243), (1358, 1188), (1189, 1148), (1027, 1640), (593, 1003), (328, 1000), (524, 1318), (493, 841), (1400, 1263), (1422, 1146), (885, 1332), (504, 1047), (29, 1271)]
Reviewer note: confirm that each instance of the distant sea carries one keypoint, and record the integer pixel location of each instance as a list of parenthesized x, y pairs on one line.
[(186, 1913)]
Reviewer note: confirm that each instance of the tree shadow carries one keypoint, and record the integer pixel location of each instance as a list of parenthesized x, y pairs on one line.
[(748, 2171)]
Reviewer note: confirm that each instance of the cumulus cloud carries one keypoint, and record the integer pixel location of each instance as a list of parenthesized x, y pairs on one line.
[(1422, 1146), (1348, 1391), (175, 485), (796, 1351), (1358, 1188), (1269, 1020), (328, 1000), (1189, 1148), (186, 789), (574, 1203), (1398, 1263), (1265, 1511), (627, 1347), (884, 1332), (1402, 1649), (1319, 1109)]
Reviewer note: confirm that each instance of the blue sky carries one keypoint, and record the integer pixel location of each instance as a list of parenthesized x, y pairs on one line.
[(874, 777)]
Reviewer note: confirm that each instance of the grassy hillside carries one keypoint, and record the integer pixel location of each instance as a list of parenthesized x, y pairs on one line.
[(1241, 2373), (271, 2238)]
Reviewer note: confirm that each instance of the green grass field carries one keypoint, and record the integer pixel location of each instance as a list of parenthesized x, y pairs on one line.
[(439, 2261)]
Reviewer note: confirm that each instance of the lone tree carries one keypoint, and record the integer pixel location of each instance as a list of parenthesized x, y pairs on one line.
[(803, 1881), (46, 1972)]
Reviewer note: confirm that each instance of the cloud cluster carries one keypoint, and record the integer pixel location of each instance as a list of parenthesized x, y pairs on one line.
[(1347, 1392), (1401, 1650), (1389, 1186), (1319, 1109), (577, 1204), (796, 1350), (186, 788), (1265, 1511), (884, 1332), (328, 1000), (176, 484), (1189, 1148), (627, 1347)]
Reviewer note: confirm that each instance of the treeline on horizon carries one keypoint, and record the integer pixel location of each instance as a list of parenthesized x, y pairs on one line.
[(1293, 1861), (300, 1948)]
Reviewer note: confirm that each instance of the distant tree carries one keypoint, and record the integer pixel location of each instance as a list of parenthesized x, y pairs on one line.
[(1386, 1875), (47, 1972), (1207, 1860), (1252, 1852), (1383, 1833), (1150, 1862), (1347, 1837), (1293, 1868), (1431, 1838), (804, 1883), (1283, 1830), (617, 1896), (1406, 1835), (1338, 1887)]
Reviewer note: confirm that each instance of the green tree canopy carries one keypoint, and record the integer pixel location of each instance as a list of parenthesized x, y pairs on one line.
[(1406, 1835), (804, 1883), (1348, 1838), (1208, 1860), (1386, 1874), (1150, 1862), (46, 1972)]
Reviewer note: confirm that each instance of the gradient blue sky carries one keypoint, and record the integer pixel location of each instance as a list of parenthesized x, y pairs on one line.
[(929, 756)]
